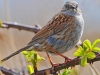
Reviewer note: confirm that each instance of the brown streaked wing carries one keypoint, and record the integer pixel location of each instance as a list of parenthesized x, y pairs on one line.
[(55, 25)]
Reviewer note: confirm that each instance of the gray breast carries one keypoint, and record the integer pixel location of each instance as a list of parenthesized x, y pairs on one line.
[(63, 45)]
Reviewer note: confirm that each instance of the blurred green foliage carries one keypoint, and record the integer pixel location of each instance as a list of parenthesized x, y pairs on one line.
[(87, 51)]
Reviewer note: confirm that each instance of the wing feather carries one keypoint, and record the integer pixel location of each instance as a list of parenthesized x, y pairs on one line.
[(55, 25)]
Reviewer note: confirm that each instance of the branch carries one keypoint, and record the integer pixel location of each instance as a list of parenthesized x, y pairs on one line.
[(8, 71), (16, 25), (71, 63)]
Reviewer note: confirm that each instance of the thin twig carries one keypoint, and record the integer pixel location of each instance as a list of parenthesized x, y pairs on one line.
[(16, 25), (8, 71)]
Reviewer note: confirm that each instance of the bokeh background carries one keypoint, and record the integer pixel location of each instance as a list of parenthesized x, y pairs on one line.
[(41, 11)]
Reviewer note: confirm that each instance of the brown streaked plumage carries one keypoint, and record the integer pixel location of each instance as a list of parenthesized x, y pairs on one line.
[(53, 26), (60, 34)]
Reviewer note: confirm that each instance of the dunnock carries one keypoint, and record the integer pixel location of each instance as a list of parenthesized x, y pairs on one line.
[(60, 34)]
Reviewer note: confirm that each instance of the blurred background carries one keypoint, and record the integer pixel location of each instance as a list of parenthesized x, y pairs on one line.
[(41, 11)]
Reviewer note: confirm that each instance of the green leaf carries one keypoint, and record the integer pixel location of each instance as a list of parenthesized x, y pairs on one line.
[(34, 62), (66, 72), (91, 55), (40, 58), (31, 52), (25, 52), (31, 69), (96, 49), (27, 56), (0, 23), (35, 56), (84, 46), (86, 50), (30, 59), (95, 43), (87, 44), (79, 52), (84, 61), (0, 62)]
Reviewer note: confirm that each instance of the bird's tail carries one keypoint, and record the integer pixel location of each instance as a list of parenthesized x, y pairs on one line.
[(15, 53)]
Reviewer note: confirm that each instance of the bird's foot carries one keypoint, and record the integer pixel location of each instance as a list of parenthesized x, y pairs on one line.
[(54, 65), (67, 59)]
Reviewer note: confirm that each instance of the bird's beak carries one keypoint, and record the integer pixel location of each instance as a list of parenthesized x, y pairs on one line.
[(73, 7)]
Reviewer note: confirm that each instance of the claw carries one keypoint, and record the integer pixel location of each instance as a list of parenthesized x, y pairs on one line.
[(53, 68), (67, 59)]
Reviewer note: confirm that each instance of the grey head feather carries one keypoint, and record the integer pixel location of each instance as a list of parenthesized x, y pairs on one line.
[(71, 8)]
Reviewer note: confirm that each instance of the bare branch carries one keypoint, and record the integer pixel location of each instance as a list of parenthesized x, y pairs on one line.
[(61, 66), (8, 71), (71, 63), (16, 25)]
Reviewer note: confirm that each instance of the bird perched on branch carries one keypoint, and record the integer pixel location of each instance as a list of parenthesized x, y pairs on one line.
[(60, 34)]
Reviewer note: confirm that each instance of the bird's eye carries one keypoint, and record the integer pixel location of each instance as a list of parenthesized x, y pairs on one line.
[(66, 6), (77, 6)]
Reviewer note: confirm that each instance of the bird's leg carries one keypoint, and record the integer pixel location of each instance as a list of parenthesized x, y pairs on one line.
[(66, 58), (53, 65), (51, 60)]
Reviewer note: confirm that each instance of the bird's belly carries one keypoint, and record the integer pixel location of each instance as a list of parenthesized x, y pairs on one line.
[(61, 43)]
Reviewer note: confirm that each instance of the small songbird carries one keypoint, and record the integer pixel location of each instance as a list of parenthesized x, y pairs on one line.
[(60, 34)]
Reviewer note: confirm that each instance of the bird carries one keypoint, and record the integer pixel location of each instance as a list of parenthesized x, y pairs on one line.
[(59, 35)]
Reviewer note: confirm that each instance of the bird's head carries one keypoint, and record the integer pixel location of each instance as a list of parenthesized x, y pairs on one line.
[(71, 8)]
